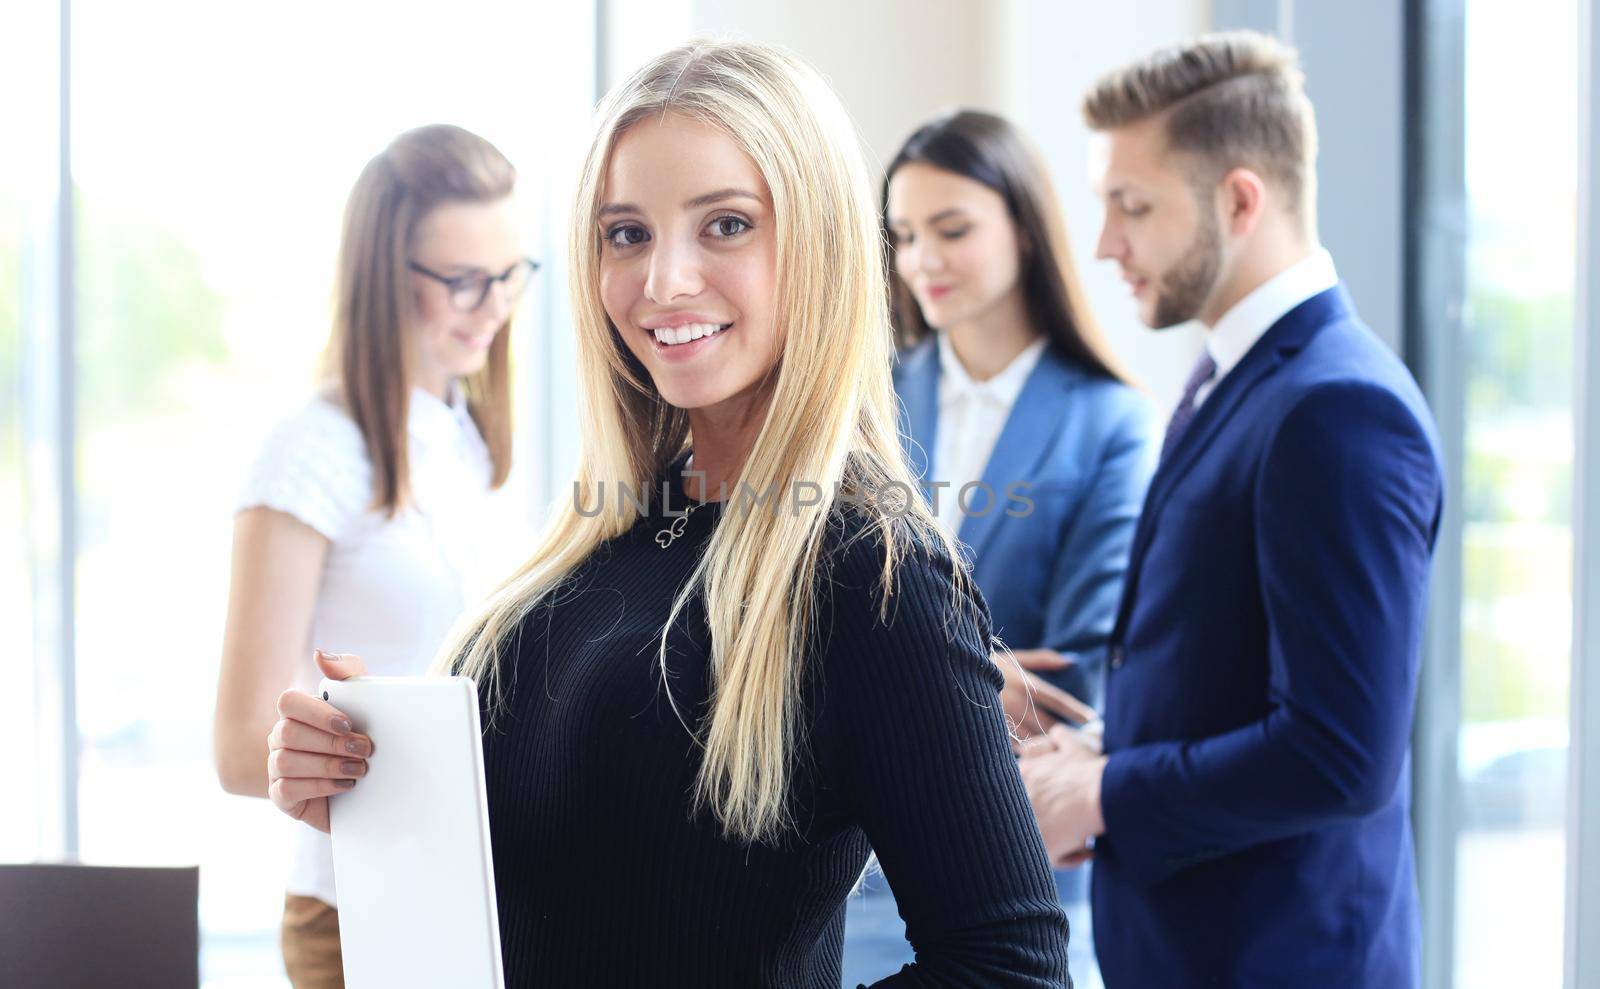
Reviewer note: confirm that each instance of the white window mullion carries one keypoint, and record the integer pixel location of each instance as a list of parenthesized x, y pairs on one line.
[(1583, 803), (48, 403)]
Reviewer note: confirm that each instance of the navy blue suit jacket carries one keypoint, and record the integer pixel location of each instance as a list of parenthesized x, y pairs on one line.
[(1084, 446), (1263, 674)]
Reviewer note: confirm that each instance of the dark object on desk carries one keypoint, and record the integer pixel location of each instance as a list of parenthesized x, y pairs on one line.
[(80, 925)]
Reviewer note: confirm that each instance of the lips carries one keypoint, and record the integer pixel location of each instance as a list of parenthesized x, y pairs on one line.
[(669, 336), (678, 336), (674, 352), (474, 341)]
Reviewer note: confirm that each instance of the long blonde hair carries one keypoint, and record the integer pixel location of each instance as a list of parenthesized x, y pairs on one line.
[(831, 381), (375, 305)]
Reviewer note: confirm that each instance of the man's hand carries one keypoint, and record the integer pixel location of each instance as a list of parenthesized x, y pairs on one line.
[(1062, 775), (1033, 705)]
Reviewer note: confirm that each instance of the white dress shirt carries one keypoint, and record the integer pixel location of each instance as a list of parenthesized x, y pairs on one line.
[(971, 416), (391, 588), (1252, 316)]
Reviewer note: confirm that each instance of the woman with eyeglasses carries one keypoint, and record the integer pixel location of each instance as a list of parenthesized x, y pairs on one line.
[(370, 518)]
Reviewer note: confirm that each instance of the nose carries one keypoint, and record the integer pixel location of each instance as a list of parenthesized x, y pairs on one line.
[(1111, 245), (929, 260), (905, 258), (674, 272), (496, 305)]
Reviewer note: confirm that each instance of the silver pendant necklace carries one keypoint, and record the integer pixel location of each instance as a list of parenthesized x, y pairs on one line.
[(666, 537)]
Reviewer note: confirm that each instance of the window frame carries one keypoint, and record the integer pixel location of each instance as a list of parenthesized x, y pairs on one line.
[(1582, 962)]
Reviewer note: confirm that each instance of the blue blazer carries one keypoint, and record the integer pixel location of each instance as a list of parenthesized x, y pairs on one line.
[(1263, 672), (1085, 446)]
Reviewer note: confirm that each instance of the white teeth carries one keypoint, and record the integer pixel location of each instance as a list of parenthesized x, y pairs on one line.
[(683, 334)]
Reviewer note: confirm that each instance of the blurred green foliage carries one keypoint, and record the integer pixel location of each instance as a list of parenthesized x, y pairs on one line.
[(143, 309), (1519, 351), (1517, 553), (1514, 594)]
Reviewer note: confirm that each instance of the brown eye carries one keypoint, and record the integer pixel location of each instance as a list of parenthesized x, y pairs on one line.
[(626, 235), (729, 226)]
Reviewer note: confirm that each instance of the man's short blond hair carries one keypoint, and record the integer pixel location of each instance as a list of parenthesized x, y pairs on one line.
[(1230, 100)]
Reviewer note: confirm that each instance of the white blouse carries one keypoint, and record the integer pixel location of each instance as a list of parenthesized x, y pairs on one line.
[(391, 588), (971, 417)]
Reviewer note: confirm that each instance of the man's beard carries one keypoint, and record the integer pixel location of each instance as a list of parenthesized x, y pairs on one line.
[(1184, 287)]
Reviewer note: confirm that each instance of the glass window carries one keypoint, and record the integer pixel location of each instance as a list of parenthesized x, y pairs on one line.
[(18, 728), (27, 193), (213, 150), (1516, 608)]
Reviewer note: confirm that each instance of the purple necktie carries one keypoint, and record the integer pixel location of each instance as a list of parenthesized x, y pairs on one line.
[(1204, 368)]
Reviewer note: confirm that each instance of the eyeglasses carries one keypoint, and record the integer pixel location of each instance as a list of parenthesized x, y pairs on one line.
[(467, 292)]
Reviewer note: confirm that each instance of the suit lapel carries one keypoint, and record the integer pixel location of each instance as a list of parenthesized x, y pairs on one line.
[(1287, 337), (1024, 441), (916, 382)]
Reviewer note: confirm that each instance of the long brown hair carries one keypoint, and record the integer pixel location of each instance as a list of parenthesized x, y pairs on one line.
[(375, 307), (989, 150)]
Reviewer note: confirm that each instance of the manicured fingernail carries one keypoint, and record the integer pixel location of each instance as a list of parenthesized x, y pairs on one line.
[(343, 726), (358, 746), (352, 767), (344, 784)]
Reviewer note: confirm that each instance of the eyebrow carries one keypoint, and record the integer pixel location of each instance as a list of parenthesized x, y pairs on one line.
[(718, 196), (953, 213), (721, 195), (463, 270)]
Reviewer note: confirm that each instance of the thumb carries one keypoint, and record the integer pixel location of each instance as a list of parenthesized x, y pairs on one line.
[(1063, 737), (340, 666), (1042, 659)]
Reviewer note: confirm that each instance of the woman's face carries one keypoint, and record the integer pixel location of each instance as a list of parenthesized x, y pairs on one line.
[(688, 261), (955, 244), (466, 243)]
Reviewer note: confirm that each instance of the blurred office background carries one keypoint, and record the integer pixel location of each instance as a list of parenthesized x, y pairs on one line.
[(154, 322)]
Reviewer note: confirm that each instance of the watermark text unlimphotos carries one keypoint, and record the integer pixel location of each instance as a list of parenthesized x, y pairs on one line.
[(975, 498)]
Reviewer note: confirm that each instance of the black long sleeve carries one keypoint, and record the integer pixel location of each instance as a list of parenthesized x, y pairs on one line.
[(604, 875)]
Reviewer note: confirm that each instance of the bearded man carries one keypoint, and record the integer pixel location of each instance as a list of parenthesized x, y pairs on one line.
[(1249, 814)]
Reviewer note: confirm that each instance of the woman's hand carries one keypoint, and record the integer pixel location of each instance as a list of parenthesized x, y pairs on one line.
[(313, 752), (1033, 705)]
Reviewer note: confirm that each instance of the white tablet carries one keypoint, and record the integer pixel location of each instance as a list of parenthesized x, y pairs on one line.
[(411, 855)]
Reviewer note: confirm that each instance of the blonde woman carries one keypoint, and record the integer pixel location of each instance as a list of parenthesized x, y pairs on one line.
[(365, 521), (743, 657)]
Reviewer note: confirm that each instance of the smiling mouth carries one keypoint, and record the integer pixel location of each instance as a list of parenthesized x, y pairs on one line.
[(676, 336), (475, 341)]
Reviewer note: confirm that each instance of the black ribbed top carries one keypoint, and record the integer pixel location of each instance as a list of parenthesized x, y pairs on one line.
[(605, 878)]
